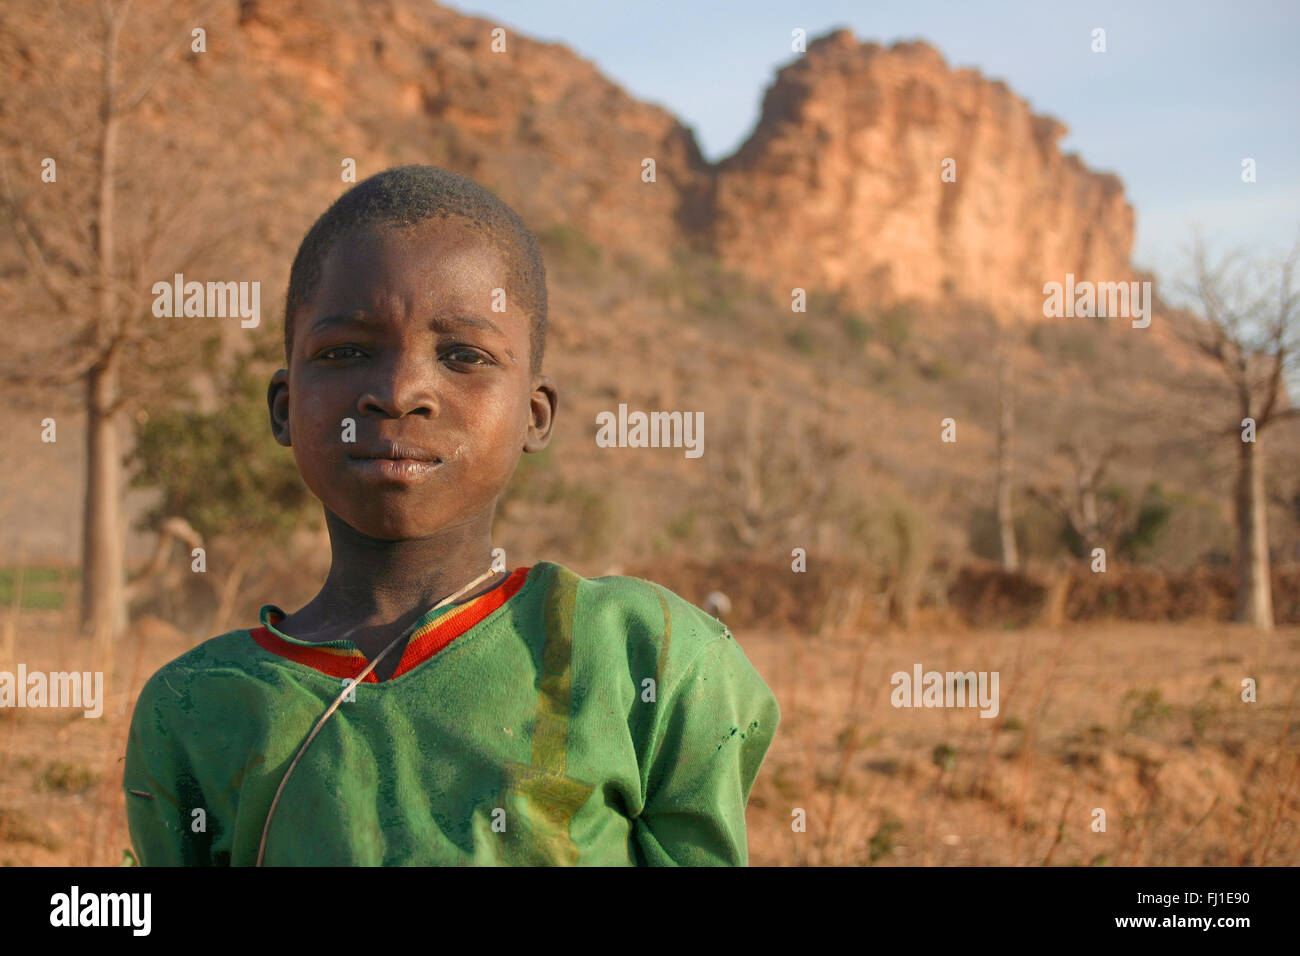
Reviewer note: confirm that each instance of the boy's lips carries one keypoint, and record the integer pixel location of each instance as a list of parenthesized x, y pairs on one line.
[(396, 451), (394, 461)]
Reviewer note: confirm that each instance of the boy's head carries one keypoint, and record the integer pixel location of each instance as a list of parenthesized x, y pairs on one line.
[(414, 330), (409, 195)]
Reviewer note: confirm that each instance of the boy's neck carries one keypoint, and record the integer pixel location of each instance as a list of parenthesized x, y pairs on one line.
[(371, 580)]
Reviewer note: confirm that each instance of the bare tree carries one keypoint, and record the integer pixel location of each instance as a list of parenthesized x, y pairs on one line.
[(1094, 520), (773, 476), (91, 228), (1250, 330)]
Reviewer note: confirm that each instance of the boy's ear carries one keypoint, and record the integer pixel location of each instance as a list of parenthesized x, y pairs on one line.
[(543, 403), (277, 402)]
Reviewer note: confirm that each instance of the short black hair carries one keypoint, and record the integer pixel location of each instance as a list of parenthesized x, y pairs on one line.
[(408, 195)]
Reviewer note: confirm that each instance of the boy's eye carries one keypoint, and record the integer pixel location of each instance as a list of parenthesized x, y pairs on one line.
[(465, 355), (334, 353)]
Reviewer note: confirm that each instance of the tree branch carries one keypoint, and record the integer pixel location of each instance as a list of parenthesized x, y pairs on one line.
[(160, 60)]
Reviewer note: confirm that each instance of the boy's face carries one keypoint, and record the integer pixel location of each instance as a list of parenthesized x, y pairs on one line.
[(401, 337)]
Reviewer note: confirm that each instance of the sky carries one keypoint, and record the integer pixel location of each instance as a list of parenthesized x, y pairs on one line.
[(1184, 92)]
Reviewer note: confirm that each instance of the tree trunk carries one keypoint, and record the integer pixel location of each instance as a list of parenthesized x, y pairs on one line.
[(103, 607), (1254, 589), (1089, 521), (1006, 467), (103, 593), (904, 592), (1052, 613)]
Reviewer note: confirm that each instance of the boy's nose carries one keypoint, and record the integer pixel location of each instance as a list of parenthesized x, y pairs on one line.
[(405, 386)]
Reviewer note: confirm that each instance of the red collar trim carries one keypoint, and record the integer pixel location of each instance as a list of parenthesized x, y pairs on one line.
[(427, 639)]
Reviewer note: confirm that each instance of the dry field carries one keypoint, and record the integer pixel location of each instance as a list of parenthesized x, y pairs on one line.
[(1143, 721)]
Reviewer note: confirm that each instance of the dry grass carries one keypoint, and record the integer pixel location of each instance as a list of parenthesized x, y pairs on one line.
[(60, 772), (1143, 721)]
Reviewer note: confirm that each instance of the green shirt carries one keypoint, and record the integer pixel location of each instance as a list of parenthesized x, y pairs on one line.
[(553, 719)]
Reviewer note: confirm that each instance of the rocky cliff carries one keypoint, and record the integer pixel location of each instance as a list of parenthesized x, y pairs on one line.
[(842, 184)]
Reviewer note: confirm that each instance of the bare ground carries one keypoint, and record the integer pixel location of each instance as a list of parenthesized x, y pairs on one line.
[(1145, 722)]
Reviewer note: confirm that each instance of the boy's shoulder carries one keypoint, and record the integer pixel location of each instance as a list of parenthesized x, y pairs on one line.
[(647, 615), (635, 594), (228, 656)]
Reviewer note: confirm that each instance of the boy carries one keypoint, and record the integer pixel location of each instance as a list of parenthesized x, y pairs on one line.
[(420, 709)]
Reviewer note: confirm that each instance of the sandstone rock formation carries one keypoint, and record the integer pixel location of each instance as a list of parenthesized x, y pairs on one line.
[(840, 184)]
